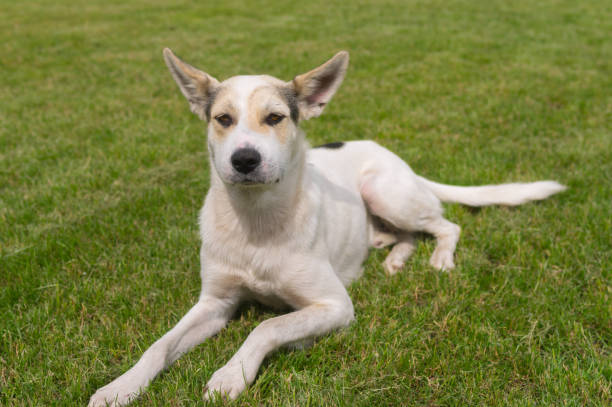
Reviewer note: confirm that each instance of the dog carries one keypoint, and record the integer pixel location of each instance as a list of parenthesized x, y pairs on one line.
[(290, 226)]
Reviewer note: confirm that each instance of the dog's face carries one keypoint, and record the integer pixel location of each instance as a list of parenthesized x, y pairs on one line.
[(253, 135), (252, 129)]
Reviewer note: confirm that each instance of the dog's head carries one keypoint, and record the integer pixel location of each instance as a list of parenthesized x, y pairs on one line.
[(253, 134)]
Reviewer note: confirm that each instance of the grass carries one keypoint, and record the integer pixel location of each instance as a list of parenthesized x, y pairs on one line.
[(103, 170)]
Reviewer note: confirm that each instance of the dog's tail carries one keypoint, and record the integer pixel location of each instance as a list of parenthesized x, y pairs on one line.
[(502, 194)]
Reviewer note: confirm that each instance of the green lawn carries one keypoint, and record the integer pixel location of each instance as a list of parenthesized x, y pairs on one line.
[(103, 170)]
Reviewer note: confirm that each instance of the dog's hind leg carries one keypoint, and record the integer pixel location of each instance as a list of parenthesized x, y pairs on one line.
[(447, 234), (382, 239), (395, 194), (381, 234), (400, 252)]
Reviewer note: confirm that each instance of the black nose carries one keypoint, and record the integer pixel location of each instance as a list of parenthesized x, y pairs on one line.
[(245, 160)]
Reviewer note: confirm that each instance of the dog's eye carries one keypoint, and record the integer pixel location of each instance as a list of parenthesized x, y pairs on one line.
[(224, 120), (273, 119)]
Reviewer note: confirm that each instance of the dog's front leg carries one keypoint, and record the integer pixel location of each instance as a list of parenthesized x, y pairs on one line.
[(319, 317), (205, 319)]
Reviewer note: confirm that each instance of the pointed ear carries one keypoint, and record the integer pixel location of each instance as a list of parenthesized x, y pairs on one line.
[(315, 89), (197, 86)]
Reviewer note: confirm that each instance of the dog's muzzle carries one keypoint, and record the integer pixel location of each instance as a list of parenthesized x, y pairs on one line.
[(245, 160), (248, 169)]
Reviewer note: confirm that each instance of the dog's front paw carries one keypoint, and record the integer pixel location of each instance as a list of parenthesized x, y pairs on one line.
[(114, 394), (227, 382)]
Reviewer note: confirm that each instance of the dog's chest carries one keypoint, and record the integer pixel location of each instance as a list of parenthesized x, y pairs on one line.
[(262, 278), (264, 290), (258, 269)]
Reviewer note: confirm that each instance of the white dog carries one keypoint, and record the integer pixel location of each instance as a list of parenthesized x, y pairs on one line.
[(287, 225)]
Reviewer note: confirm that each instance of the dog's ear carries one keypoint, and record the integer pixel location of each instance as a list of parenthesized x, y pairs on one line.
[(315, 89), (197, 86)]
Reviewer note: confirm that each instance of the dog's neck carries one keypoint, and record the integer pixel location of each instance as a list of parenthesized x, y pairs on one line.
[(265, 210)]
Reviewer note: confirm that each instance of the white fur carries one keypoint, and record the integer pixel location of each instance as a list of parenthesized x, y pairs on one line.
[(300, 241)]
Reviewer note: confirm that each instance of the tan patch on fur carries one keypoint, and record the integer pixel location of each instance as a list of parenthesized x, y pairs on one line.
[(223, 105), (262, 102)]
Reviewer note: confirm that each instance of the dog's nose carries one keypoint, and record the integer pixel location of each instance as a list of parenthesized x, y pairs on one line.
[(245, 160)]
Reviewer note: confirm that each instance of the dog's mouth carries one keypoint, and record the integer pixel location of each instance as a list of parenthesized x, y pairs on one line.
[(262, 176), (247, 181)]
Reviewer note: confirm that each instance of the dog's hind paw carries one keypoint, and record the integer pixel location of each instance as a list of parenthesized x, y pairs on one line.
[(442, 260), (382, 239), (392, 265), (398, 255)]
